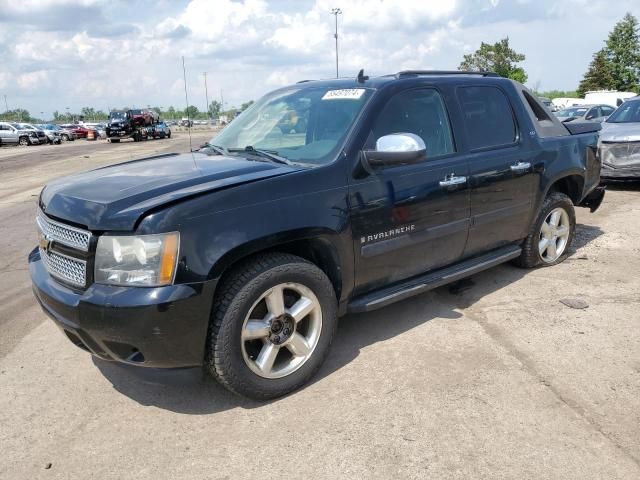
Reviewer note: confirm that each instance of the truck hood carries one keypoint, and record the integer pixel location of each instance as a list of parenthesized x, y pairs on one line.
[(620, 132), (115, 197)]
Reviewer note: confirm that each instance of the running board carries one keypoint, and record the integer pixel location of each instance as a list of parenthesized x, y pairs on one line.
[(429, 281)]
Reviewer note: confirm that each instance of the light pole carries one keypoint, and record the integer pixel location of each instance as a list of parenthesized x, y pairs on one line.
[(68, 117), (206, 93), (335, 12)]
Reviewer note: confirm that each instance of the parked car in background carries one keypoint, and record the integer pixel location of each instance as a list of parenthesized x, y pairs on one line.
[(42, 136), (65, 135), (585, 113), (620, 142), (78, 130), (12, 134), (162, 130), (53, 135)]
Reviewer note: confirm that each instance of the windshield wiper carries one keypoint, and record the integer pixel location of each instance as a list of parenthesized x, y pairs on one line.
[(216, 148), (270, 154)]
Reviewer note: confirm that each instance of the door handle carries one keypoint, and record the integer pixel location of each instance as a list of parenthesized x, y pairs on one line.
[(452, 180), (520, 167)]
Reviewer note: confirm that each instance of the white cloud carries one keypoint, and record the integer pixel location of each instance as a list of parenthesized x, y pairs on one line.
[(32, 79)]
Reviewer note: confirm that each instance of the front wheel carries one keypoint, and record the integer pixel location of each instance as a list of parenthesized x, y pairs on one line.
[(551, 234), (272, 325)]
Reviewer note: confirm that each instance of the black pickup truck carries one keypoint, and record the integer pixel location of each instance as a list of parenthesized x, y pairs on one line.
[(241, 256)]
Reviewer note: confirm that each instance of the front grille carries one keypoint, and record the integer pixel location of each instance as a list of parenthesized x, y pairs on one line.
[(71, 270), (64, 234)]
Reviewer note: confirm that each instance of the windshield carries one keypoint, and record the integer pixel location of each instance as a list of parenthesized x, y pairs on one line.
[(628, 112), (118, 115), (301, 124), (572, 112)]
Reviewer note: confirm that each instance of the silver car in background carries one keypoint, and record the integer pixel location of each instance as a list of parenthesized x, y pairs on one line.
[(42, 137), (12, 134), (52, 134), (585, 113), (620, 142)]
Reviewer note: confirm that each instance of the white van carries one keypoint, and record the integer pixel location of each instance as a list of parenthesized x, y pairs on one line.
[(608, 97)]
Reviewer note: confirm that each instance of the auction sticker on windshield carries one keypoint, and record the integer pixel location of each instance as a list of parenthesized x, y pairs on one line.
[(346, 93)]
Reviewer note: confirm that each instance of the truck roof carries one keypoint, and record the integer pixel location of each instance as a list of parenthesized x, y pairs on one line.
[(452, 76)]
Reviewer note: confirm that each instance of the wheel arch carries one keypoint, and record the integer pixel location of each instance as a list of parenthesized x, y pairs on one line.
[(572, 185), (318, 247)]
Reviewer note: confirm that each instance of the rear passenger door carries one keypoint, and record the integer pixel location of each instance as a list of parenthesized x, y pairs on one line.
[(501, 178)]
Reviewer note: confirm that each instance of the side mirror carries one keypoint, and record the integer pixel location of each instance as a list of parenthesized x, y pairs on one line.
[(396, 149)]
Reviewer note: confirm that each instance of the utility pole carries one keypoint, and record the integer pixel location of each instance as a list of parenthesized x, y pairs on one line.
[(335, 12), (206, 93), (6, 105)]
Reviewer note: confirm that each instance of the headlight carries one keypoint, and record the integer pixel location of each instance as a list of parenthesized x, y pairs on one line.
[(137, 260)]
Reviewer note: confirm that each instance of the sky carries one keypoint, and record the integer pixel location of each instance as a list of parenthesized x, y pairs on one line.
[(108, 54)]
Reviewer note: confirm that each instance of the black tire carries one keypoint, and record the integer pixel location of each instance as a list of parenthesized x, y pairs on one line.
[(169, 135), (65, 138), (240, 289), (24, 141), (530, 257)]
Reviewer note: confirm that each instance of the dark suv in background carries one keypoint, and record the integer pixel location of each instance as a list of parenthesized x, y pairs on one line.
[(241, 256)]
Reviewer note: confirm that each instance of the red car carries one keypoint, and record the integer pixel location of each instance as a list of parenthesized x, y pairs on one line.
[(79, 130), (144, 117)]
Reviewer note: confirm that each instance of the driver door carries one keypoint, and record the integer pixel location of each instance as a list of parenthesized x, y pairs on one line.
[(409, 219)]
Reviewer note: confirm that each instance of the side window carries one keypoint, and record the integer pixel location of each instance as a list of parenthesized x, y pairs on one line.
[(593, 113), (422, 113), (606, 111), (488, 117)]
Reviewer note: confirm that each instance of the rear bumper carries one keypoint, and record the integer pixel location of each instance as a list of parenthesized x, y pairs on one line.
[(161, 327)]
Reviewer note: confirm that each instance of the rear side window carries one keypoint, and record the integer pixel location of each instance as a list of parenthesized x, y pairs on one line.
[(488, 118)]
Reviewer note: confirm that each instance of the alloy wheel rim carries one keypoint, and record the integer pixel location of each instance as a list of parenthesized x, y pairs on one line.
[(554, 235), (281, 330)]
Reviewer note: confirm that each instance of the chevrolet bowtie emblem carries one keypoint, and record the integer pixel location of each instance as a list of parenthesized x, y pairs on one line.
[(45, 243)]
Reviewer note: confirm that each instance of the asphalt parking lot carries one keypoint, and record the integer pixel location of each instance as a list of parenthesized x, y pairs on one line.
[(493, 377)]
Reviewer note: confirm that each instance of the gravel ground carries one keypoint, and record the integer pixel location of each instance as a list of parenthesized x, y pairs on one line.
[(493, 377)]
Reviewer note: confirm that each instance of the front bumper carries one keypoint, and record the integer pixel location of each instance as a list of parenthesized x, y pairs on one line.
[(161, 327), (620, 173)]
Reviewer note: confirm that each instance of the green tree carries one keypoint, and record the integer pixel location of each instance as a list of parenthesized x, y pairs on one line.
[(88, 113), (171, 113), (499, 58), (246, 105), (17, 115), (191, 111), (214, 109), (599, 76), (623, 53)]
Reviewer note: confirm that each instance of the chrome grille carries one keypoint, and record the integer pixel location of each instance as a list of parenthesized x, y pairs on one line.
[(64, 234), (71, 270)]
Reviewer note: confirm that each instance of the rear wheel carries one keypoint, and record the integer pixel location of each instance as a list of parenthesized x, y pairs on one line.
[(551, 234), (272, 325)]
